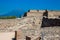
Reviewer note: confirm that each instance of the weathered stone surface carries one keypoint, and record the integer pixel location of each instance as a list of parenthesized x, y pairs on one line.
[(50, 33), (31, 26)]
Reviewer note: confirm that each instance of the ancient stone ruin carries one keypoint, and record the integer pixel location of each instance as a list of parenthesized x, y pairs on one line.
[(34, 25)]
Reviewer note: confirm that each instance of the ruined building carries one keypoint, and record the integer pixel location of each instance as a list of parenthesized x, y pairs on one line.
[(34, 25)]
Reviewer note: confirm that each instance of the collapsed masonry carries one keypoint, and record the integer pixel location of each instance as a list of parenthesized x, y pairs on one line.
[(35, 25), (45, 26)]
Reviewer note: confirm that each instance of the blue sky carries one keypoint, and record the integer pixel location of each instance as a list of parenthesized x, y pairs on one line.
[(9, 5)]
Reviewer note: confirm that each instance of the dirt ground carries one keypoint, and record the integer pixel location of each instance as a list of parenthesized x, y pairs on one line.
[(7, 35)]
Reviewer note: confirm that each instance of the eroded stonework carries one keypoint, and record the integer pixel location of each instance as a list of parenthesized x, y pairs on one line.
[(36, 25)]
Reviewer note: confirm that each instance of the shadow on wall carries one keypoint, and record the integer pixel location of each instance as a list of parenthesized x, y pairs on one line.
[(50, 22)]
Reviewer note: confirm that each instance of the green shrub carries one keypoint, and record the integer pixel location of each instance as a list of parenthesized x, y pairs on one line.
[(7, 17)]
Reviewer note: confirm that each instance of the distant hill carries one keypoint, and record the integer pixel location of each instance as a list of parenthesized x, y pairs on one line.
[(17, 13)]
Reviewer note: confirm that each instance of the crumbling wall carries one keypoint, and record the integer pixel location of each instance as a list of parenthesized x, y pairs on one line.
[(35, 13), (29, 27)]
